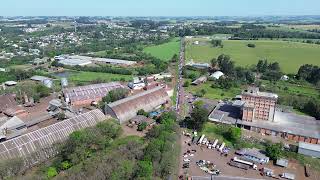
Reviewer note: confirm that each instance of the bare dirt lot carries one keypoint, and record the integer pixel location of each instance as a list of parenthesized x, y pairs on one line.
[(203, 153)]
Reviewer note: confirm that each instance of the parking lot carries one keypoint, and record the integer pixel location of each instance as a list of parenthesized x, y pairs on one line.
[(215, 157)]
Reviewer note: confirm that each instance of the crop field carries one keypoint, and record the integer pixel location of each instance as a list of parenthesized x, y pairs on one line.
[(164, 51), (290, 55)]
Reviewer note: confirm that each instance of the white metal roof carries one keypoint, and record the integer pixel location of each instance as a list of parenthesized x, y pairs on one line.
[(313, 147)]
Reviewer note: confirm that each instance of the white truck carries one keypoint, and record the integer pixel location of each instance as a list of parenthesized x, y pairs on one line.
[(252, 165), (201, 139), (222, 146), (287, 176)]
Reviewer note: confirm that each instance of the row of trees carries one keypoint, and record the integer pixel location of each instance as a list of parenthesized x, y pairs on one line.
[(247, 31)]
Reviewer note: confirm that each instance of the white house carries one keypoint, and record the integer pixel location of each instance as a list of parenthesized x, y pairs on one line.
[(217, 75)]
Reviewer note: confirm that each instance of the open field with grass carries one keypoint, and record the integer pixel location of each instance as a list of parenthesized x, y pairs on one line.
[(84, 77), (290, 55), (214, 93), (164, 51)]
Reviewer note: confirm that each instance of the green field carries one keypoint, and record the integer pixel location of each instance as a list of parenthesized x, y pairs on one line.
[(214, 93), (164, 51), (85, 77), (290, 55)]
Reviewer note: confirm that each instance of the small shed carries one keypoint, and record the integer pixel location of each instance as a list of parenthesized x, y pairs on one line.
[(10, 83), (200, 80), (282, 162)]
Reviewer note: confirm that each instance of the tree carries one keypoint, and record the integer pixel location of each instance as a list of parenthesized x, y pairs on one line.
[(145, 170), (61, 116), (225, 64), (175, 58), (233, 134), (186, 84), (115, 95), (199, 116), (274, 151), (216, 43), (251, 45), (213, 62), (142, 126), (142, 112)]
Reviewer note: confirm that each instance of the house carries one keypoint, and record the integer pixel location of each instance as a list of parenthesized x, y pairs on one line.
[(137, 83), (9, 126), (200, 80), (216, 75), (284, 78), (48, 82), (253, 154), (308, 149), (127, 108)]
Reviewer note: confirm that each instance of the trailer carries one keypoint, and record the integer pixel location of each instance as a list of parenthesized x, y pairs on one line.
[(201, 139), (252, 165), (215, 143), (222, 146), (239, 165)]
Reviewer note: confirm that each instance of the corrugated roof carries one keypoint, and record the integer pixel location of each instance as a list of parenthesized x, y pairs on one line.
[(127, 108), (313, 147), (91, 91), (37, 145)]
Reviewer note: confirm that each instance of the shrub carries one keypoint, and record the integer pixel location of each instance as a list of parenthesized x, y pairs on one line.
[(52, 172)]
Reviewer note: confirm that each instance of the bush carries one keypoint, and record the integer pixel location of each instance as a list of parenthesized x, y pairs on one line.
[(251, 45), (142, 126)]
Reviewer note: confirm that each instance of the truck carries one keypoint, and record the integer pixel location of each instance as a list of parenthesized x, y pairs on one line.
[(201, 139), (252, 165), (215, 143), (222, 146), (287, 176), (239, 165)]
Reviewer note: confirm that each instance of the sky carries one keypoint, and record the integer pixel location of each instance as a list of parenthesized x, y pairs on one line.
[(158, 7)]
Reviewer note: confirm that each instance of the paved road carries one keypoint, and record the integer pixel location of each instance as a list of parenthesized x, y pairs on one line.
[(180, 90)]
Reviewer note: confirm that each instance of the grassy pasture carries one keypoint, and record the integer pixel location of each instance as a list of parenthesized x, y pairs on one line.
[(164, 51), (290, 55)]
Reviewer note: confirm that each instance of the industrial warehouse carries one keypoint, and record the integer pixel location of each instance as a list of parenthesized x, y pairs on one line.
[(38, 145), (257, 111), (75, 60), (127, 108), (86, 95)]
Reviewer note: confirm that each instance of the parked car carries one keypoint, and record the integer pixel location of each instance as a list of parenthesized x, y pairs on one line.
[(186, 160)]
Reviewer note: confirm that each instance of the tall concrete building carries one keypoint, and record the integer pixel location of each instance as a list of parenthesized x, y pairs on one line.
[(258, 105)]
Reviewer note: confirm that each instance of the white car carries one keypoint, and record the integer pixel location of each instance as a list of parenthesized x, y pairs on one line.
[(186, 160), (185, 156), (191, 155)]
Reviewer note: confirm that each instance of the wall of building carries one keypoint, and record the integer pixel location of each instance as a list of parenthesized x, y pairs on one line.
[(264, 107), (288, 136)]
